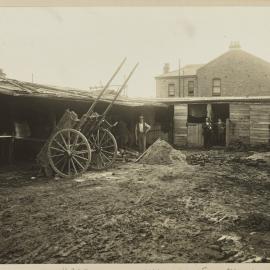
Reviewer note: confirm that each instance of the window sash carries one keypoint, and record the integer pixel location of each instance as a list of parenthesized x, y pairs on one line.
[(216, 82), (171, 89), (216, 87), (216, 90), (191, 88)]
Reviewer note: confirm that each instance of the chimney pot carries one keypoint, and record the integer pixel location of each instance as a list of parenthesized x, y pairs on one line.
[(166, 68), (235, 45)]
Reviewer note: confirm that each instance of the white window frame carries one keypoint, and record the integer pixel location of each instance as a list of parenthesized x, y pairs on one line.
[(191, 94), (171, 92), (216, 87)]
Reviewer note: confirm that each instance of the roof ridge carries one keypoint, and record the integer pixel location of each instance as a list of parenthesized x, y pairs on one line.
[(233, 51)]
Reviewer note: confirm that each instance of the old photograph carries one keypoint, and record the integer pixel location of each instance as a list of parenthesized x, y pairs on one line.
[(134, 135)]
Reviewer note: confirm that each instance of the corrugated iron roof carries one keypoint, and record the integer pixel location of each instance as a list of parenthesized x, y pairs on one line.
[(19, 88), (188, 70)]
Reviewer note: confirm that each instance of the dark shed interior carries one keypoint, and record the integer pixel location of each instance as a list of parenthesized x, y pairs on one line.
[(26, 122)]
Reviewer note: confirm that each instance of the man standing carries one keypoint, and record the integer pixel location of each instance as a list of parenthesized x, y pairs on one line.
[(141, 129), (207, 132), (221, 132)]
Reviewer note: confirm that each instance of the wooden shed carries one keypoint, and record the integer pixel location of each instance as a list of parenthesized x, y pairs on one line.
[(247, 119), (29, 112)]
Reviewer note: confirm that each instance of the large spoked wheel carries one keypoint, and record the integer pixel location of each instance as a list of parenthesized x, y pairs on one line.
[(104, 149), (69, 153)]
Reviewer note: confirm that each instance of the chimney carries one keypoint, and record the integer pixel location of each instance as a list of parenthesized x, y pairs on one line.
[(166, 68), (235, 45), (2, 74)]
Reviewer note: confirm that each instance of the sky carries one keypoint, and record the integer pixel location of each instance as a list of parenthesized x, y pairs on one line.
[(81, 47)]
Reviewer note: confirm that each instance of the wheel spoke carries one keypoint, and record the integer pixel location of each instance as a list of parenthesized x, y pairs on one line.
[(107, 152), (75, 144), (60, 144), (101, 159), (105, 156), (57, 149), (73, 165), (58, 155), (77, 156), (64, 141), (80, 152), (98, 137), (76, 160), (101, 140), (59, 161), (68, 139), (108, 146)]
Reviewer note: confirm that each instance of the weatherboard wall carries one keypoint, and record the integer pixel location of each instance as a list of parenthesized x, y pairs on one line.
[(239, 123), (180, 124), (249, 124)]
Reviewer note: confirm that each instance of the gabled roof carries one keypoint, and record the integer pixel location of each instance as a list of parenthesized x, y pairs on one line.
[(239, 56), (188, 70), (17, 88)]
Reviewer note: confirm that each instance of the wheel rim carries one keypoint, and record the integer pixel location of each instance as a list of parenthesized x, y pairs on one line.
[(69, 153), (104, 149)]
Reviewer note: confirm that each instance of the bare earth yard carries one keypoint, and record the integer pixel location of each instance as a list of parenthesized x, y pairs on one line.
[(214, 212)]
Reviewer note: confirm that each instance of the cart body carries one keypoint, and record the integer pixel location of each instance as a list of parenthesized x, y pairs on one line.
[(90, 144)]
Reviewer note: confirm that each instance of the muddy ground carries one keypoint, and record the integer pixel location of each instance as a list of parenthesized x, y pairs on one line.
[(216, 210)]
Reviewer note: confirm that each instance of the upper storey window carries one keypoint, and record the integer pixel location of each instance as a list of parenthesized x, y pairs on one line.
[(171, 90), (191, 88), (216, 87)]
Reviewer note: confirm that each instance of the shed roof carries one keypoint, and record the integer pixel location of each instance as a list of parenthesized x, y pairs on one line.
[(17, 88), (194, 100)]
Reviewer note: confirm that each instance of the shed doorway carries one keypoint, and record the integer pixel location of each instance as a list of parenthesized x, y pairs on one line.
[(196, 118), (219, 115)]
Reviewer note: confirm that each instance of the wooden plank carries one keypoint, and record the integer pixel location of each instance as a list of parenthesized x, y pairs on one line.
[(195, 135), (240, 123), (180, 120), (259, 124)]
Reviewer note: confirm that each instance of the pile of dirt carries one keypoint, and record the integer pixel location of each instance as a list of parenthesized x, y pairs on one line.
[(162, 153)]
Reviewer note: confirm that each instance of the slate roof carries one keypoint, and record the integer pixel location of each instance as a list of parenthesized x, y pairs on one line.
[(188, 70)]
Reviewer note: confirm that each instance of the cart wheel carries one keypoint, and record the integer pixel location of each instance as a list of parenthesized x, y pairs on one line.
[(69, 153), (104, 149)]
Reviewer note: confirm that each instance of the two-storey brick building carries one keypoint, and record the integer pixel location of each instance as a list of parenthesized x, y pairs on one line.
[(177, 83), (234, 87)]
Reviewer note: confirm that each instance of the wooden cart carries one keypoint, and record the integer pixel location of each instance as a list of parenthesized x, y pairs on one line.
[(90, 144)]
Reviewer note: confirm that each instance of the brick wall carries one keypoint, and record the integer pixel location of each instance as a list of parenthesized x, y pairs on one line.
[(241, 74), (162, 85)]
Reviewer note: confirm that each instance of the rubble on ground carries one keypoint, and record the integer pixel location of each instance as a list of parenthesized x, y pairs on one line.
[(138, 213), (210, 156), (261, 160), (260, 157), (162, 153)]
